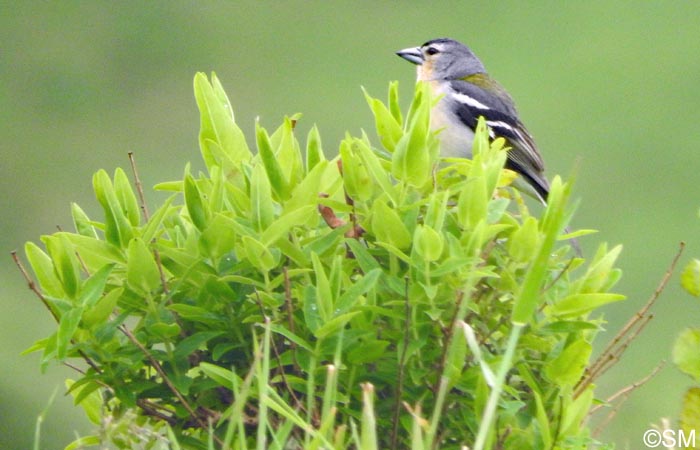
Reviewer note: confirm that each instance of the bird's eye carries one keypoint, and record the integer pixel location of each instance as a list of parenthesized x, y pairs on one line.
[(432, 51)]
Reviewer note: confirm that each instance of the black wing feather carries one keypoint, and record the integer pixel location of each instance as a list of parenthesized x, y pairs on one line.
[(501, 115)]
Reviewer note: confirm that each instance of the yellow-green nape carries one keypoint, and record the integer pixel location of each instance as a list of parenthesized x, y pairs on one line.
[(486, 82), (483, 80)]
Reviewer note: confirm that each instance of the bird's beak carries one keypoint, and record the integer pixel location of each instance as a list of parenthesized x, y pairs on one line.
[(413, 54)]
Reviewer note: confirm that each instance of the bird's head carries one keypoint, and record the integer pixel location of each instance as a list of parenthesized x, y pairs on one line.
[(443, 59)]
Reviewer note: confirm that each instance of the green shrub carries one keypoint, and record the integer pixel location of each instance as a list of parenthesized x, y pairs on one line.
[(381, 299)]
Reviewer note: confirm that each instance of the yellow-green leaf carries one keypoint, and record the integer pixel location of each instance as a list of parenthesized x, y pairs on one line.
[(686, 352), (690, 278), (142, 273), (566, 369)]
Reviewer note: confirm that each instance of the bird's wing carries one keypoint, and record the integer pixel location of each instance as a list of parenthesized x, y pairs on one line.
[(471, 101)]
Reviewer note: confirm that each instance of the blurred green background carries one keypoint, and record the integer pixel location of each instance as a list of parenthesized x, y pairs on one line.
[(610, 90)]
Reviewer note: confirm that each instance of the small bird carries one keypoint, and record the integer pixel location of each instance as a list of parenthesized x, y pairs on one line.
[(468, 92)]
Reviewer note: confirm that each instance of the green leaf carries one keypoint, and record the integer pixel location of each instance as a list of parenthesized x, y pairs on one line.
[(569, 326), (420, 91), (388, 127), (94, 287), (36, 346), (543, 421), (89, 397), (66, 329), (84, 442), (118, 229), (600, 275), (95, 253), (356, 179), (126, 197), (65, 263), (219, 238), (102, 309), (576, 412), (43, 270), (278, 182), (686, 352), (223, 377), (285, 223), (388, 227), (195, 313), (217, 125), (81, 222), (324, 294), (291, 337), (314, 149), (472, 204), (165, 331), (364, 258), (380, 176), (258, 254), (367, 351), (312, 317), (357, 288), (217, 190), (496, 209), (412, 160), (394, 106), (260, 199), (287, 151), (307, 191), (437, 209), (580, 304), (566, 369), (154, 225), (690, 414), (142, 274), (334, 325), (524, 241), (196, 207), (428, 243), (190, 344), (690, 278)]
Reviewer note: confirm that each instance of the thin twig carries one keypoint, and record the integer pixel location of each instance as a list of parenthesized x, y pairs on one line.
[(34, 288), (158, 368), (77, 369), (139, 187), (151, 410), (616, 353), (448, 338), (77, 255), (557, 278), (32, 285), (624, 394), (159, 263), (147, 216), (82, 264), (614, 350), (642, 312)]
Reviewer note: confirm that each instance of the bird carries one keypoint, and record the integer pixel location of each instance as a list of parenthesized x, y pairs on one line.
[(468, 92)]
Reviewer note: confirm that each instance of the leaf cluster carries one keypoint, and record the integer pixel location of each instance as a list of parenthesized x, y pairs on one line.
[(286, 300)]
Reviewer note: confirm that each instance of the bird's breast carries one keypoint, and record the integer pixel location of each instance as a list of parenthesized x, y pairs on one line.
[(455, 137)]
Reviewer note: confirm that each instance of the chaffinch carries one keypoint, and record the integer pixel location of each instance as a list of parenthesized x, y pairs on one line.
[(468, 92)]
